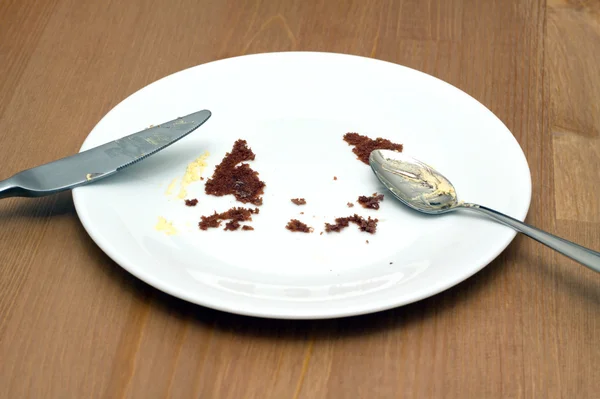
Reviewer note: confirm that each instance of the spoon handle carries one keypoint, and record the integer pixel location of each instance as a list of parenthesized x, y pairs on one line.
[(576, 252)]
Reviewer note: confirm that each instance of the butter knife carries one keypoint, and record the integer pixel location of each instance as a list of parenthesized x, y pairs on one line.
[(97, 163)]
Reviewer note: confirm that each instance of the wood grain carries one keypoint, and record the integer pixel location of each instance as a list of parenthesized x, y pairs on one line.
[(74, 324)]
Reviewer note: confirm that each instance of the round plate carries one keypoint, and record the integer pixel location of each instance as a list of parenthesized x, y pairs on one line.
[(293, 109)]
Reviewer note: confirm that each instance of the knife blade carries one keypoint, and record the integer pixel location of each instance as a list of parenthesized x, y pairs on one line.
[(100, 162)]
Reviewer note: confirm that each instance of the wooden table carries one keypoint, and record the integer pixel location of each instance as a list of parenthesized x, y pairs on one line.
[(73, 324)]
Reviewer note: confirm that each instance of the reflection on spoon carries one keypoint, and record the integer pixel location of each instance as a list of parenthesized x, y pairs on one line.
[(424, 189)]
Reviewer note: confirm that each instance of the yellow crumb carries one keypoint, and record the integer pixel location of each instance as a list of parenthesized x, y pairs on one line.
[(166, 226), (171, 187), (192, 173)]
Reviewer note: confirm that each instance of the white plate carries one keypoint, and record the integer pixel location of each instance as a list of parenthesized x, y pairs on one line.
[(293, 109)]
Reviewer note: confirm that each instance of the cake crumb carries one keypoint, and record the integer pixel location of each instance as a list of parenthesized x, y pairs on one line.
[(363, 145), (371, 202), (367, 225), (165, 226), (193, 172), (232, 225), (334, 177), (302, 213), (299, 201), (191, 202), (350, 205), (170, 188), (240, 181), (235, 215), (367, 241), (340, 224), (297, 226), (321, 233), (247, 228)]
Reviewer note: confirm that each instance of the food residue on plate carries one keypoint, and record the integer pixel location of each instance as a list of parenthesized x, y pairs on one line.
[(235, 215), (232, 225), (234, 176), (371, 202), (192, 173), (240, 181), (363, 145), (191, 202), (367, 225), (171, 187), (295, 225), (165, 226)]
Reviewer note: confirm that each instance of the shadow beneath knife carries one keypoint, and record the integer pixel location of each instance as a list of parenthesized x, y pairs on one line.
[(42, 207)]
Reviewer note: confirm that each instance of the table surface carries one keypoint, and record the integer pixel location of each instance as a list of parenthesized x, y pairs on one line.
[(74, 324)]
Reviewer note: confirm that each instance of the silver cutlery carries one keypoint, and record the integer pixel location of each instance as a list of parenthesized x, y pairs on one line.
[(424, 189), (100, 162)]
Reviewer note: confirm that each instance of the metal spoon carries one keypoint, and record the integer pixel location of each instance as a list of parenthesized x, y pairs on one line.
[(423, 188)]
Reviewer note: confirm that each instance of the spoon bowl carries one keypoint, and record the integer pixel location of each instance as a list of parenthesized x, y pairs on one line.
[(413, 182), (424, 189)]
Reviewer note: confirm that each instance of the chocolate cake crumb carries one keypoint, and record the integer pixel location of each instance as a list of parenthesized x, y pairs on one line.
[(302, 213), (247, 228), (350, 205), (367, 241), (240, 181), (236, 215), (371, 202), (191, 202), (334, 177), (367, 225), (363, 145), (232, 225), (297, 226), (340, 224), (299, 201), (321, 233), (212, 221), (201, 178)]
